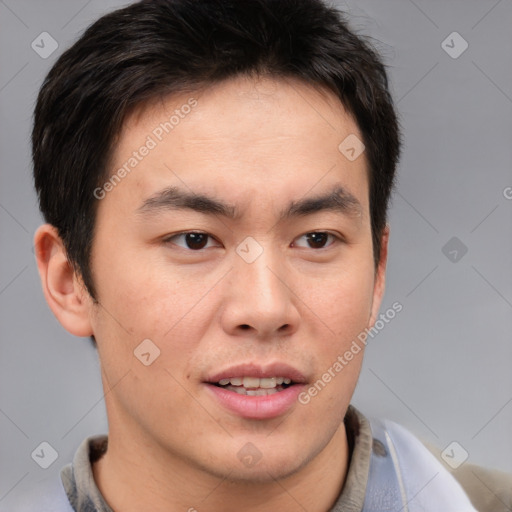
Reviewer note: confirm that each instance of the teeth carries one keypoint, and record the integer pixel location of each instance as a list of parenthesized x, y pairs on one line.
[(268, 383), (251, 392), (251, 382), (255, 383)]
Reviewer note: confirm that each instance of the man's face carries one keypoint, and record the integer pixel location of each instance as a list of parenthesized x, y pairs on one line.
[(276, 284)]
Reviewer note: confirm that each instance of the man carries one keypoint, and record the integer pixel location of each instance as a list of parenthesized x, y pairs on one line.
[(215, 179)]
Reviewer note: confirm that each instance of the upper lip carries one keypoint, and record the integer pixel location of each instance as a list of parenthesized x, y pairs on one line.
[(256, 370)]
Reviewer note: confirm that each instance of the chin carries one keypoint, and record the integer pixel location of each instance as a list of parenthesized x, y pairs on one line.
[(264, 472), (250, 465)]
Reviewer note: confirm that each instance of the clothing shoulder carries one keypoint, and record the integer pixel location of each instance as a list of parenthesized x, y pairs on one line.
[(406, 472), (490, 490)]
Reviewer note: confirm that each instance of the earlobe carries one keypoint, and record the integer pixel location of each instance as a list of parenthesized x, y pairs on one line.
[(380, 276), (63, 290)]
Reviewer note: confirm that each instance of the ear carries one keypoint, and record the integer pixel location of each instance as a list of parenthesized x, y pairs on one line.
[(64, 291), (380, 276)]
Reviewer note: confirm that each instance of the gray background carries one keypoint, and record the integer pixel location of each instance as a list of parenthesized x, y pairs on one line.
[(442, 367)]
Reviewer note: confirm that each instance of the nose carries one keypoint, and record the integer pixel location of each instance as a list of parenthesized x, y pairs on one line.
[(259, 299)]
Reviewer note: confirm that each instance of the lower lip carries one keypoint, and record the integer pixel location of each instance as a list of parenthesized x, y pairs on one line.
[(257, 407)]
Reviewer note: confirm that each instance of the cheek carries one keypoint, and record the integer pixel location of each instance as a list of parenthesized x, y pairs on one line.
[(142, 300), (343, 307), (342, 301), (142, 296), (145, 314)]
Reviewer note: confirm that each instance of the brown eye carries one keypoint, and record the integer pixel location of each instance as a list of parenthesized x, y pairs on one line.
[(316, 240), (196, 240), (191, 240)]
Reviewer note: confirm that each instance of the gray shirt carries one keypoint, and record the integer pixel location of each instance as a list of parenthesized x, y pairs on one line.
[(84, 495)]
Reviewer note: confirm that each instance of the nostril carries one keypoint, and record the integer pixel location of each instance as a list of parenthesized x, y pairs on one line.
[(245, 327), (284, 327)]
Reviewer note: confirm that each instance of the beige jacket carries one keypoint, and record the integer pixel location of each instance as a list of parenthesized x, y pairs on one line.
[(489, 490)]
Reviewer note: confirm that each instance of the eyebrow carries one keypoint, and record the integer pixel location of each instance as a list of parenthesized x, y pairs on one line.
[(338, 200)]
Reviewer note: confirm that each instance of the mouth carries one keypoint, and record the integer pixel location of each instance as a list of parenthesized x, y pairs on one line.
[(256, 392), (255, 386)]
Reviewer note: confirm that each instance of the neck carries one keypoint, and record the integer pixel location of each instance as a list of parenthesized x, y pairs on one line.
[(135, 475)]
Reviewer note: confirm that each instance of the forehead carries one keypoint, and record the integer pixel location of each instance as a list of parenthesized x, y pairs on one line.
[(243, 133)]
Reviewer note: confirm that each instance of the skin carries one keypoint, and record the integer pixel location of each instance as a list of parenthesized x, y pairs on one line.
[(257, 144)]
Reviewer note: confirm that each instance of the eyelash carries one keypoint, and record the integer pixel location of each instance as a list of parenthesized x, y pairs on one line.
[(169, 239)]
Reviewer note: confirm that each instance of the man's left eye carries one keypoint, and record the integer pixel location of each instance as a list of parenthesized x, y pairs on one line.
[(316, 240), (191, 240)]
